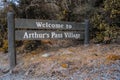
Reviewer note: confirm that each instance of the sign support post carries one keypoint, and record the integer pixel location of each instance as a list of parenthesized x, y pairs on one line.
[(11, 39), (86, 41)]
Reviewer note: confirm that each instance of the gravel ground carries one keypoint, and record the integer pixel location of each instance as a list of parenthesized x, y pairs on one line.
[(94, 62)]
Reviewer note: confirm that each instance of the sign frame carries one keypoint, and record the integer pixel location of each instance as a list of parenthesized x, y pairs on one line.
[(12, 26)]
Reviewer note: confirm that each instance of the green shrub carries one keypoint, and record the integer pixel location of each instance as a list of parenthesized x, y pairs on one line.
[(31, 45), (4, 47), (105, 22)]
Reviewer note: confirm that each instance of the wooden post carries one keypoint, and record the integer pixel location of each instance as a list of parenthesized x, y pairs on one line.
[(86, 41), (11, 39)]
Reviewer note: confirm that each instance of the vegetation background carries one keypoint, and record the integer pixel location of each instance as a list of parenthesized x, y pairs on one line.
[(104, 17), (53, 59)]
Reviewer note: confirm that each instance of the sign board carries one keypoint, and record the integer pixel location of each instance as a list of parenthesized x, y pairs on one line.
[(48, 24), (33, 29), (48, 29), (37, 35)]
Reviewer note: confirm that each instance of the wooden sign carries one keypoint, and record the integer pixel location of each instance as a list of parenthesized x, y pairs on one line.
[(37, 35), (33, 29), (48, 24)]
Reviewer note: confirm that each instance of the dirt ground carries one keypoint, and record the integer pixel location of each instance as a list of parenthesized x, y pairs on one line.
[(93, 62)]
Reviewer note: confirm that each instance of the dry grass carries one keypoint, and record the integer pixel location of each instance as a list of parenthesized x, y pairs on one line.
[(66, 61), (113, 57), (1, 50), (64, 65)]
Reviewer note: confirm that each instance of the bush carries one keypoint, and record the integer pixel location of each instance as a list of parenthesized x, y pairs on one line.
[(31, 45), (4, 47), (105, 22)]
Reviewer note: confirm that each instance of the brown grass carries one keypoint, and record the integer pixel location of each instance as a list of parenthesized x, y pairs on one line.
[(1, 50), (5, 46), (113, 57), (64, 65)]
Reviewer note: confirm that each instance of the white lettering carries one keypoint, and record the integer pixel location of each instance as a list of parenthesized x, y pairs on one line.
[(39, 24), (26, 35), (49, 25), (35, 35), (71, 35), (56, 35)]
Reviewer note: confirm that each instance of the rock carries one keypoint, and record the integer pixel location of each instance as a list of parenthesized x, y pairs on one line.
[(32, 59), (5, 71), (46, 55)]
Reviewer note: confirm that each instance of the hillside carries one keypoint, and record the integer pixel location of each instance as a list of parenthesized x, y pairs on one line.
[(71, 63)]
